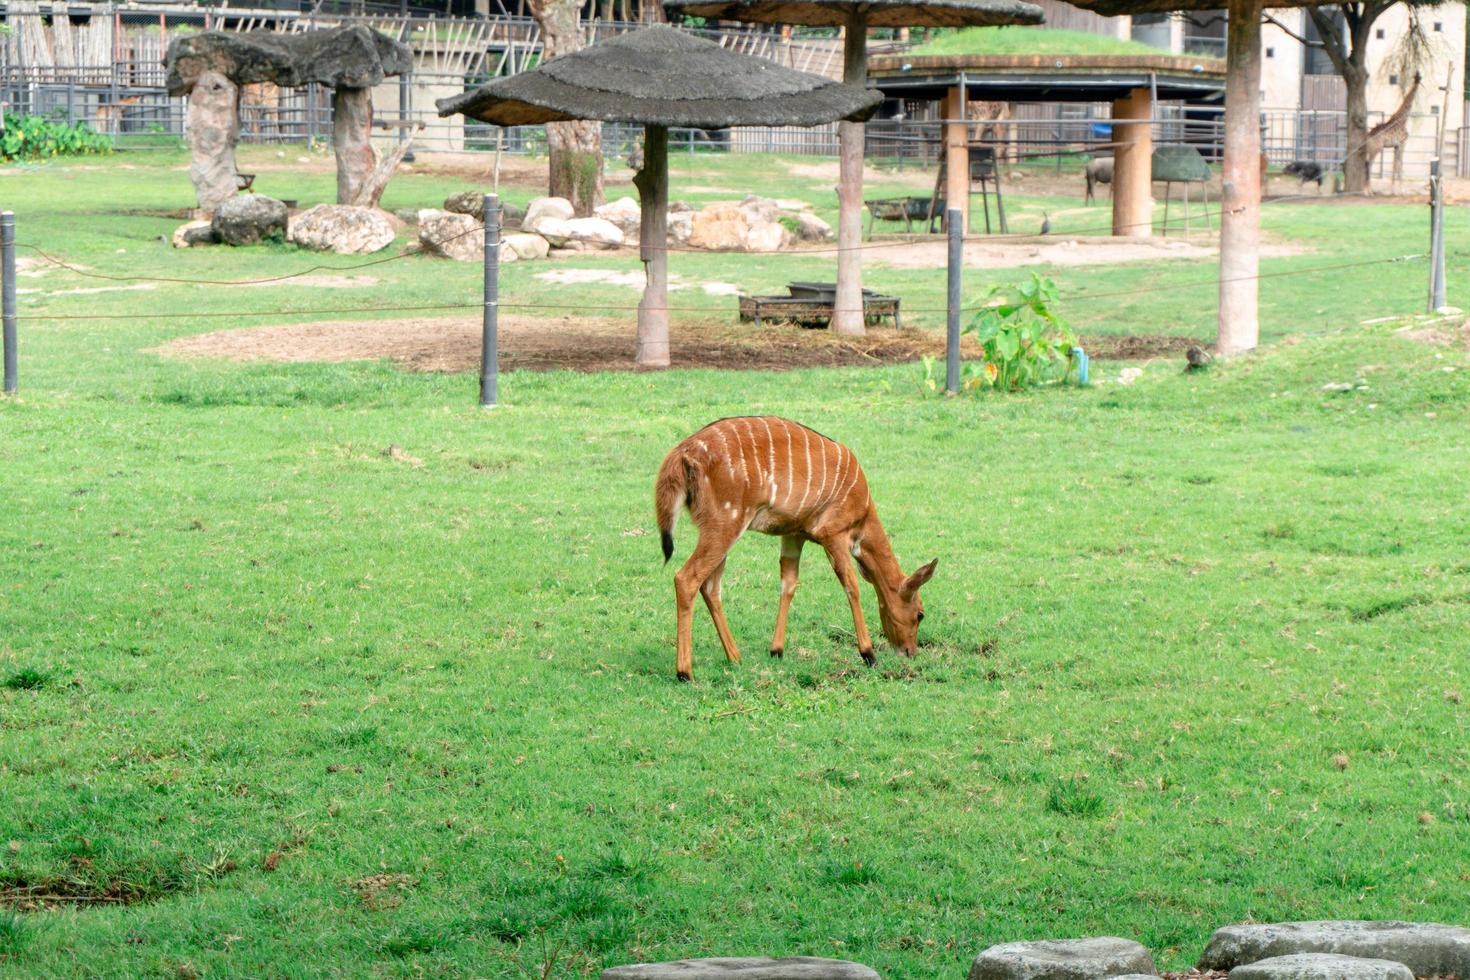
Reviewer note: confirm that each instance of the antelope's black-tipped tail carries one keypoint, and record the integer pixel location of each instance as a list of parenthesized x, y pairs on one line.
[(670, 492)]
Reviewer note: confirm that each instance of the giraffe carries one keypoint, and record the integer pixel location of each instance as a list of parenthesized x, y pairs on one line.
[(1392, 133)]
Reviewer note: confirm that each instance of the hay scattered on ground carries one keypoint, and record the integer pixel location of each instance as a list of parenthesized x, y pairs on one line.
[(596, 344)]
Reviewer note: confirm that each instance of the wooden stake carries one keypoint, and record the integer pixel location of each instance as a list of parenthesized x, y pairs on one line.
[(1238, 320), (847, 313), (1133, 165), (653, 198)]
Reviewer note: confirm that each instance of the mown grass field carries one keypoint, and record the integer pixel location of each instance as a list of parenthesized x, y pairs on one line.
[(280, 699)]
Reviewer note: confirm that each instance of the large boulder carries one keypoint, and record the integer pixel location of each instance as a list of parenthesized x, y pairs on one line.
[(546, 209), (341, 57), (195, 233), (453, 236), (1426, 948), (471, 203), (719, 228), (1063, 959), (250, 218), (625, 213), (759, 209), (810, 228), (680, 227), (744, 968), (342, 228), (598, 232), (1321, 966), (527, 246), (766, 236)]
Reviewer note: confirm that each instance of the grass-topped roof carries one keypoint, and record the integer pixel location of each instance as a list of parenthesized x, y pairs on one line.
[(1026, 40)]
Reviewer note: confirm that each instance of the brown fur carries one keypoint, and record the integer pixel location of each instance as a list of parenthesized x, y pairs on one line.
[(780, 478)]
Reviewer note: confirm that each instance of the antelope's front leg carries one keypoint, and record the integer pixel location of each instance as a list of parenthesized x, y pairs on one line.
[(790, 565), (842, 565)]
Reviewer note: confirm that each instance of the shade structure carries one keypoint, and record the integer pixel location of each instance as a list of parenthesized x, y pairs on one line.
[(855, 17), (661, 77), (1238, 316), (343, 57)]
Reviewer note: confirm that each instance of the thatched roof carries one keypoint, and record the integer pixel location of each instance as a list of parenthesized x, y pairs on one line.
[(663, 77), (1112, 8), (343, 57), (881, 13)]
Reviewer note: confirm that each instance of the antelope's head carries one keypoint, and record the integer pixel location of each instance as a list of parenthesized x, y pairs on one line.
[(902, 614)]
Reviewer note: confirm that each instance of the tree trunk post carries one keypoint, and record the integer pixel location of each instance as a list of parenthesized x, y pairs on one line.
[(352, 131), (652, 182), (956, 159), (1238, 324), (574, 149), (1133, 186), (847, 311), (214, 129), (1355, 168)]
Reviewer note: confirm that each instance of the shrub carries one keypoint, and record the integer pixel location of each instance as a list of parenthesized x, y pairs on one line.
[(39, 138), (1025, 342)]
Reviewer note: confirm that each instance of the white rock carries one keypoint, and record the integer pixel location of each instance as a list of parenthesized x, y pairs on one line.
[(680, 227), (625, 213), (557, 231), (1338, 386), (1427, 949), (595, 231), (1063, 959), (1129, 375), (1321, 966), (194, 233), (811, 228), (454, 236), (527, 246), (546, 208), (767, 236), (341, 228)]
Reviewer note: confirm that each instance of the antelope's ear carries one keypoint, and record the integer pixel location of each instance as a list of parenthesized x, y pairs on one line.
[(914, 582)]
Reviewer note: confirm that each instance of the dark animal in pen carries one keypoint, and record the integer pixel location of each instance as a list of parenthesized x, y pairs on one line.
[(1310, 173), (1099, 171)]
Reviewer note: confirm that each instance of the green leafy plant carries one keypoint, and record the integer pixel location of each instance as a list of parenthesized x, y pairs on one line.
[(1025, 342), (39, 138)]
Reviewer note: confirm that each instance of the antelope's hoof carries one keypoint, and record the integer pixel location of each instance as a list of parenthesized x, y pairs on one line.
[(778, 652), (868, 657), (685, 677)]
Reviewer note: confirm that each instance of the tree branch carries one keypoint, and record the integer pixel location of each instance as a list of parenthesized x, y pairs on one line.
[(1291, 33), (1333, 43)]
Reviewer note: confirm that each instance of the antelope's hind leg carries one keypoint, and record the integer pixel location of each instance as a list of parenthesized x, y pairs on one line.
[(790, 565), (711, 592)]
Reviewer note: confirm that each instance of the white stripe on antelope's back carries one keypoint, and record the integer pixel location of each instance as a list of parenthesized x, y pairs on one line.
[(790, 467), (806, 483)]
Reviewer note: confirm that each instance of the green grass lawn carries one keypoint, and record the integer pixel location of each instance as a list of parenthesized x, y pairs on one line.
[(282, 700), (1027, 40)]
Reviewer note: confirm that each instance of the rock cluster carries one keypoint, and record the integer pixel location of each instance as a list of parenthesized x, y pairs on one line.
[(1330, 950)]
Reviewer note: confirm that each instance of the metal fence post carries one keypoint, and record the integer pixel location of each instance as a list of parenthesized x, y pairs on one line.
[(489, 339), (7, 295), (1436, 238), (952, 224)]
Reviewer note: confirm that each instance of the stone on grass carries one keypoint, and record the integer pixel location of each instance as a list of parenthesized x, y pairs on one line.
[(766, 236), (744, 968), (625, 213), (810, 228), (719, 228), (454, 236), (597, 232), (1321, 966), (195, 233), (680, 227), (1428, 949), (1063, 959), (342, 228), (544, 209), (250, 218), (409, 216), (527, 245), (471, 203)]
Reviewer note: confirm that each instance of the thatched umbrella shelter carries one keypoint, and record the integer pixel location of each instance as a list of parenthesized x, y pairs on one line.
[(1238, 325), (661, 77), (855, 17), (211, 66)]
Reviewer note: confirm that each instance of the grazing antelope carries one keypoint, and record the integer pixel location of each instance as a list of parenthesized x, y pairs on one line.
[(783, 479)]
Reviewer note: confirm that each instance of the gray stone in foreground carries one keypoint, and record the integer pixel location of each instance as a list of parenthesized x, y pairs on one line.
[(250, 218), (744, 968), (1425, 948), (1063, 959), (1321, 966)]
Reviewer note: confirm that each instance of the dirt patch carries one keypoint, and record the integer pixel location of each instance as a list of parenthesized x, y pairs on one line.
[(632, 280), (595, 344), (927, 254)]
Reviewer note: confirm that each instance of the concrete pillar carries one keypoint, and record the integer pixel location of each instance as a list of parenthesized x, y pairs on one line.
[(1133, 202), (957, 156)]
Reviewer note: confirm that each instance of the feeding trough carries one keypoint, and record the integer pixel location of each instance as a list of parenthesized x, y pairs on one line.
[(810, 304), (661, 77)]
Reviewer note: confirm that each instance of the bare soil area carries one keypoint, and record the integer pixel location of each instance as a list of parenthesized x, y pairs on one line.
[(932, 253), (595, 344)]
